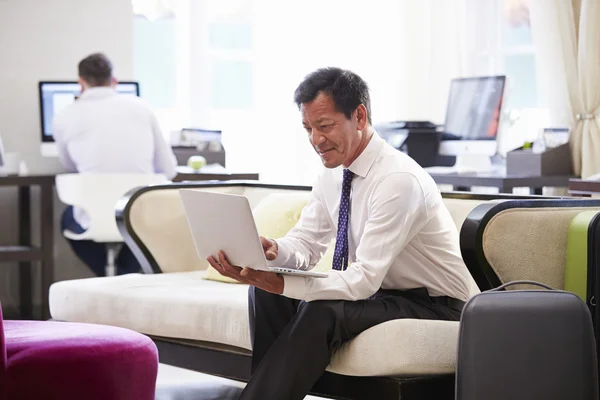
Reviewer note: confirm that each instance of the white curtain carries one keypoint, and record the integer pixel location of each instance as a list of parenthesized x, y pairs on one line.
[(154, 9), (566, 35), (435, 46)]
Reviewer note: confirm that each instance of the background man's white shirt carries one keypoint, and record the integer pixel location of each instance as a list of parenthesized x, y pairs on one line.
[(107, 132)]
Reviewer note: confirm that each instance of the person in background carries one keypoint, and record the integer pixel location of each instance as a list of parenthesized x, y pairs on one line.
[(107, 132)]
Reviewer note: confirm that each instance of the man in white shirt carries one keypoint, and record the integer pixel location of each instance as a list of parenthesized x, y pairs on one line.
[(397, 249), (106, 132)]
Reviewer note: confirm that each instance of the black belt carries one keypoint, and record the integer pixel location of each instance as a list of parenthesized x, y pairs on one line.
[(451, 302)]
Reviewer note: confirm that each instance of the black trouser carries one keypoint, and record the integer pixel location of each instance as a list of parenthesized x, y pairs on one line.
[(293, 340), (95, 255)]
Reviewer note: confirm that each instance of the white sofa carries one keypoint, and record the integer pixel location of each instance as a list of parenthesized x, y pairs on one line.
[(173, 303)]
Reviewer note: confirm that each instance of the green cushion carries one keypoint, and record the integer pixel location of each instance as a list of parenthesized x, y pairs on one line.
[(576, 269)]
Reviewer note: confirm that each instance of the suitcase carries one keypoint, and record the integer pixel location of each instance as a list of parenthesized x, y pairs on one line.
[(525, 345)]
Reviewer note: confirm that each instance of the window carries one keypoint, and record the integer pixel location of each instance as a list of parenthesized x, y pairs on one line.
[(236, 64), (154, 62), (233, 65), (499, 41)]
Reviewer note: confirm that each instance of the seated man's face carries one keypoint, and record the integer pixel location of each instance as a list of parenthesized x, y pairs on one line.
[(334, 137)]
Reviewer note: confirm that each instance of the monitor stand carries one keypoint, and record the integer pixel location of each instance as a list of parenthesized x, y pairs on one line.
[(471, 156), (49, 149), (468, 163)]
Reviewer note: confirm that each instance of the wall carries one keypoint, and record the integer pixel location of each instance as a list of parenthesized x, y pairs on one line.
[(44, 40)]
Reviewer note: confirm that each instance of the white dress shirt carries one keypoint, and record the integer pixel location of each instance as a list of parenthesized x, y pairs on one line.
[(107, 132), (400, 234)]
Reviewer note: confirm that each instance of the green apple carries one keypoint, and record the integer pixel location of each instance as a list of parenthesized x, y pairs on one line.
[(196, 162)]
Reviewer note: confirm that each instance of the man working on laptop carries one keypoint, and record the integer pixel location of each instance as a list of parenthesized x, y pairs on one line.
[(105, 132), (397, 251)]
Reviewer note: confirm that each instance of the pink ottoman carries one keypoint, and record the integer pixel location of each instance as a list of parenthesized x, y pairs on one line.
[(68, 361)]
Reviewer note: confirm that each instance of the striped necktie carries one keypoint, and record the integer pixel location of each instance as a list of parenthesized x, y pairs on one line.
[(340, 256)]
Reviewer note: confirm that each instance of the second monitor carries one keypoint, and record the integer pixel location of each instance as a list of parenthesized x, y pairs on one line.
[(472, 116), (54, 96)]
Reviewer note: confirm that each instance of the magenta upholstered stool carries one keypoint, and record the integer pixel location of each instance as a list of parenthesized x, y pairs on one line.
[(68, 361)]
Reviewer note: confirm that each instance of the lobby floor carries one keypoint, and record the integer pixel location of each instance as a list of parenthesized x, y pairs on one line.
[(181, 384)]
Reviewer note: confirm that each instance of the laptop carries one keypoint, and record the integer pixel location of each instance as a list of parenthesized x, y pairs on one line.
[(220, 221)]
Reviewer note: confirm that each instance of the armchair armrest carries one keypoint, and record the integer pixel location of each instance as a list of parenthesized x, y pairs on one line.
[(503, 241)]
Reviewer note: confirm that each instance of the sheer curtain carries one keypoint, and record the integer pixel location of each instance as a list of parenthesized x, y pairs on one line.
[(567, 38)]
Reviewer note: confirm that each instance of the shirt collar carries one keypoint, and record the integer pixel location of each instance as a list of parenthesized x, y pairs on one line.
[(365, 160), (97, 92)]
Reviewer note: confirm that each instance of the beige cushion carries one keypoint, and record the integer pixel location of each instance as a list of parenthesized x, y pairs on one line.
[(177, 305), (538, 252), (277, 213), (400, 347), (183, 305)]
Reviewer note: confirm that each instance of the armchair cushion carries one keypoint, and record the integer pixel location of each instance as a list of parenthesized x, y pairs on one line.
[(182, 305)]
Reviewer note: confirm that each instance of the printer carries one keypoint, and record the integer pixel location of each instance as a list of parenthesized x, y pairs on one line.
[(419, 139)]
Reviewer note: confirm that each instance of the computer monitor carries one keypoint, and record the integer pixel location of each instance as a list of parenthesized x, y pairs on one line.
[(54, 96), (472, 117)]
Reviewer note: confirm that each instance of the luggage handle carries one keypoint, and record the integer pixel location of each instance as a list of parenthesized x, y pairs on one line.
[(523, 282)]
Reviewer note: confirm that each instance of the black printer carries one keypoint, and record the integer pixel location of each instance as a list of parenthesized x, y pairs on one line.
[(419, 139)]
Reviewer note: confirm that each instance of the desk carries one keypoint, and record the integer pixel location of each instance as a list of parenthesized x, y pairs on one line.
[(584, 187), (187, 174), (25, 253), (505, 184)]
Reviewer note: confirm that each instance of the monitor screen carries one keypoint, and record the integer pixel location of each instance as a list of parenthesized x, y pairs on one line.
[(474, 106), (54, 96)]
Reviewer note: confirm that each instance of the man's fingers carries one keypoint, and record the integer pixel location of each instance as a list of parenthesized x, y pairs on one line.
[(223, 260), (266, 243), (213, 263), (228, 272), (253, 275), (226, 265), (247, 273)]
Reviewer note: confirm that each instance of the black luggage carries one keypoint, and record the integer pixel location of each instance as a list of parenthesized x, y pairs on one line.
[(526, 345)]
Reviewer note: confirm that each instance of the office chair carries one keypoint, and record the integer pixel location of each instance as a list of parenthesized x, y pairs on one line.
[(97, 195)]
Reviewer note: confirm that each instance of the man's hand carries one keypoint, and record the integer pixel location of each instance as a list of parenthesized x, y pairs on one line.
[(270, 248), (267, 281)]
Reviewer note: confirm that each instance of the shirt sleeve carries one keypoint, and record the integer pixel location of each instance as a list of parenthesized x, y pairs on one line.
[(164, 159), (59, 127), (396, 214), (305, 243)]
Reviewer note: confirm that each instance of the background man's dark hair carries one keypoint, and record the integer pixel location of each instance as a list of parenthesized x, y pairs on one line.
[(96, 70), (347, 90)]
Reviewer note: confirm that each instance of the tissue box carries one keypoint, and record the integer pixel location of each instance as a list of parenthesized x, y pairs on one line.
[(553, 161)]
